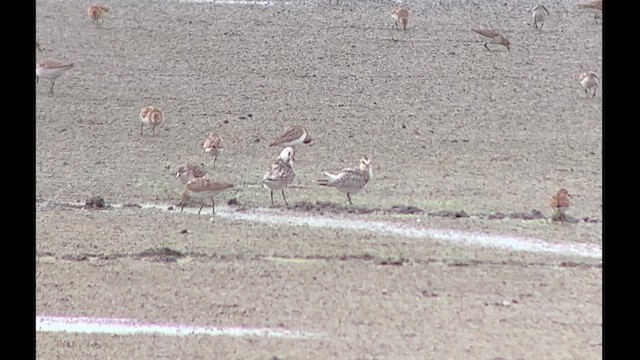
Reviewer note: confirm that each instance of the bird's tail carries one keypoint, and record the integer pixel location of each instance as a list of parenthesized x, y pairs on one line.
[(325, 182)]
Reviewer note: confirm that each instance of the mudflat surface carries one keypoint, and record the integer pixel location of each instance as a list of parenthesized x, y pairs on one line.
[(449, 126)]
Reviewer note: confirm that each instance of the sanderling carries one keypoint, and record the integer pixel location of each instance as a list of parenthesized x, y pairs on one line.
[(96, 13), (594, 7), (188, 172), (281, 173), (589, 81), (292, 136), (539, 13), (51, 69), (213, 145), (400, 15), (494, 38), (560, 203), (152, 116), (203, 189)]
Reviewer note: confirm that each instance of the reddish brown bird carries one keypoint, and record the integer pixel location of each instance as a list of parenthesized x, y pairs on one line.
[(294, 135), (594, 7), (560, 202), (203, 189), (400, 15), (493, 37)]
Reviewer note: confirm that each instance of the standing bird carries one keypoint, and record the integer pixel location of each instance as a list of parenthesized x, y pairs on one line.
[(594, 7), (294, 135), (349, 180), (152, 116), (96, 13), (560, 203), (202, 189), (51, 69), (213, 145), (188, 172), (494, 38), (539, 13), (281, 173), (401, 15), (589, 81)]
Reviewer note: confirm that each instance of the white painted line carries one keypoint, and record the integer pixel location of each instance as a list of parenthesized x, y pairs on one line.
[(457, 237), (87, 325), (236, 2)]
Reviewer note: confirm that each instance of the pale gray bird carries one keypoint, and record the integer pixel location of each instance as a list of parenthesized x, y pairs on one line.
[(349, 180), (539, 13)]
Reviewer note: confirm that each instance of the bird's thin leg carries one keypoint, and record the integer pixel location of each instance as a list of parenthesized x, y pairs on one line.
[(37, 79), (182, 208), (272, 198), (349, 197), (396, 24), (141, 127), (485, 45), (53, 82), (214, 160), (153, 129), (201, 206), (284, 197), (213, 206), (541, 26)]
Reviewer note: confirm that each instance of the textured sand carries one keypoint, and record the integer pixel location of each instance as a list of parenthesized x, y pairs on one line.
[(449, 126)]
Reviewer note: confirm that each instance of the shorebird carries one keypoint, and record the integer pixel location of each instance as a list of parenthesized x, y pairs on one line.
[(188, 172), (51, 69), (594, 7), (281, 173), (213, 145), (539, 13), (96, 13), (400, 15), (349, 180), (589, 81), (560, 203), (202, 189), (152, 116), (494, 38), (294, 135)]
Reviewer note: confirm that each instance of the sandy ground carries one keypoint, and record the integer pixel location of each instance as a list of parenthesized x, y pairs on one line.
[(449, 126)]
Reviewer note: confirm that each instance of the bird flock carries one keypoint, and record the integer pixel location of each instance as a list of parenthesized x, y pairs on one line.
[(281, 172)]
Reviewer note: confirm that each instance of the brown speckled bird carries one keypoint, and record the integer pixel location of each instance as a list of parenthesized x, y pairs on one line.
[(560, 202)]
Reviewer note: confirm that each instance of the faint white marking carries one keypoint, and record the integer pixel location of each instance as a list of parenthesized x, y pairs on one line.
[(458, 237), (504, 242), (87, 325), (236, 2)]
